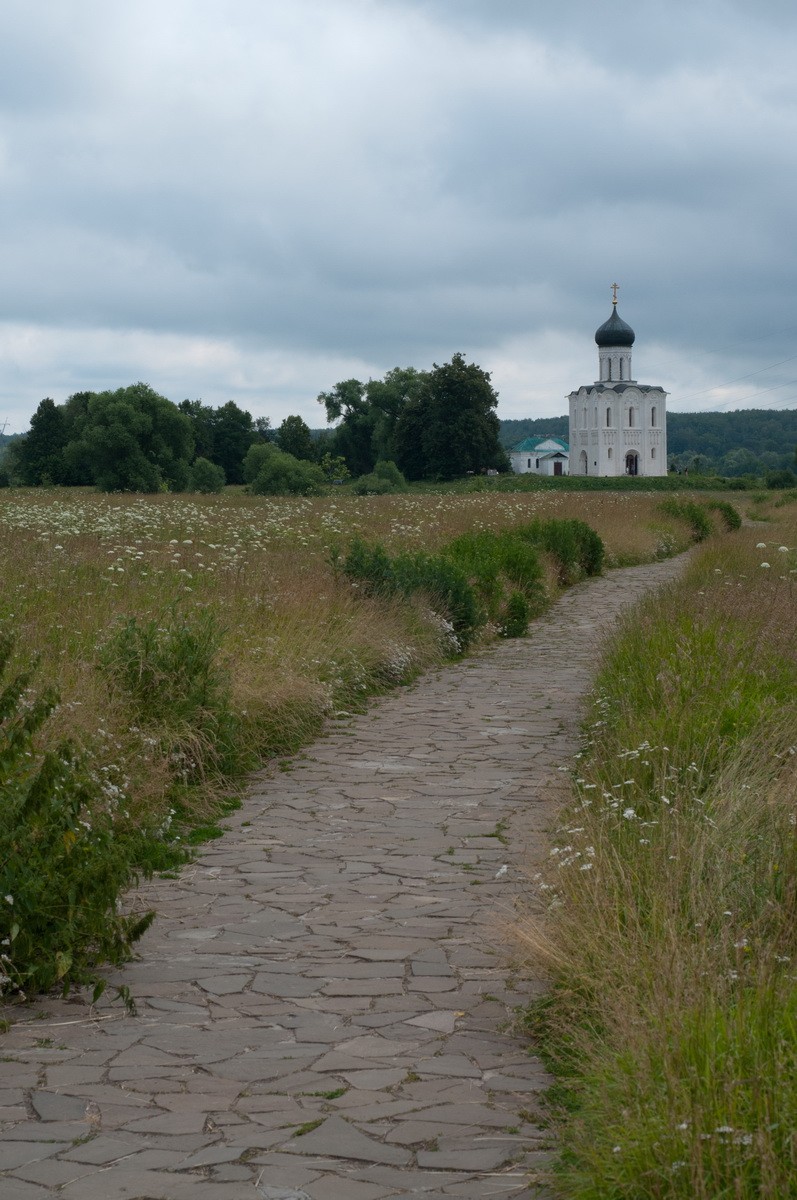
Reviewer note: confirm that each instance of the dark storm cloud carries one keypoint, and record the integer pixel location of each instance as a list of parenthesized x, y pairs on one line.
[(246, 198)]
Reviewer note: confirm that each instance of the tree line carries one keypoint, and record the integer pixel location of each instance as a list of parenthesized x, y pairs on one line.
[(437, 424)]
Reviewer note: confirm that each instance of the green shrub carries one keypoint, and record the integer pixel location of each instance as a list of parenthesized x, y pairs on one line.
[(206, 477), (780, 479), (334, 469), (170, 672), (371, 485), (492, 561), (575, 544), (387, 469), (256, 458), (443, 581), (516, 616), (695, 516), (283, 475), (730, 516), (482, 576), (371, 566), (447, 587), (64, 864)]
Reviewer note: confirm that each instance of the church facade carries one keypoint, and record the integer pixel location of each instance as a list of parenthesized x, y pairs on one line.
[(617, 426)]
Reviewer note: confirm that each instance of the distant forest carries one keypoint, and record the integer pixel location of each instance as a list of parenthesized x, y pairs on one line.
[(749, 442)]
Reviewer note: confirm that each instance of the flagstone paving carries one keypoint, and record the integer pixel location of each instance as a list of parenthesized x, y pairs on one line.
[(325, 1002)]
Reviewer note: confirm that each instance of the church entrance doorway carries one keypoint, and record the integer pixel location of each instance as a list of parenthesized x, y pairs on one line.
[(632, 463), (557, 468), (582, 462)]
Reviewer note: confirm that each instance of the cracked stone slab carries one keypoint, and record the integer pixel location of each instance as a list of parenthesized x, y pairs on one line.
[(336, 1138)]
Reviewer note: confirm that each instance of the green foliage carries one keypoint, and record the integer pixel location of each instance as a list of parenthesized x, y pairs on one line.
[(517, 615), (385, 478), (577, 547), (694, 514), (368, 415), (171, 673), (513, 431), (130, 439), (450, 427), (283, 475), (353, 438), (255, 459), (206, 477), (484, 576), (64, 863), (730, 516), (223, 435), (780, 479), (499, 565), (333, 467), (136, 441), (233, 433), (387, 469), (40, 453), (294, 437), (440, 579), (371, 485), (448, 589)]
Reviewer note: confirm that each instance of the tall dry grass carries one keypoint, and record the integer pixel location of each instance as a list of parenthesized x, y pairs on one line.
[(671, 927), (298, 642)]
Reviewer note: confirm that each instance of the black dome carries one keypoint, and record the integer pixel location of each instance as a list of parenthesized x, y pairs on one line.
[(615, 332)]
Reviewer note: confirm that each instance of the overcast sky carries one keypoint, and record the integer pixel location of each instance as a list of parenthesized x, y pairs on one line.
[(253, 199)]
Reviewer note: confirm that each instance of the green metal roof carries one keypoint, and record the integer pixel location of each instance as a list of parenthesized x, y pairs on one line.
[(530, 445)]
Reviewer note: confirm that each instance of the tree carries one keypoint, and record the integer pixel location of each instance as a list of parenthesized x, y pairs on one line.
[(368, 415), (452, 427), (294, 437), (136, 441), (39, 456), (256, 458), (388, 399), (352, 438), (203, 420), (233, 434)]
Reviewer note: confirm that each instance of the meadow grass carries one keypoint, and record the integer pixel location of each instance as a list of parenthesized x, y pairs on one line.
[(193, 638), (670, 935)]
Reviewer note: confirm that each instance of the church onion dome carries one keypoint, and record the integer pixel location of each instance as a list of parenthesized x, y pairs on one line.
[(615, 332)]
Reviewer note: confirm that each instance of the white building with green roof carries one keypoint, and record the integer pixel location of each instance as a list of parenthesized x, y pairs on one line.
[(540, 456)]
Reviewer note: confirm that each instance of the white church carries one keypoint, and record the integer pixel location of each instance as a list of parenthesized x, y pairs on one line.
[(617, 426)]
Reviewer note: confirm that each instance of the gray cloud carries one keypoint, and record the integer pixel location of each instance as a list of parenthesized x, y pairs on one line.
[(233, 201)]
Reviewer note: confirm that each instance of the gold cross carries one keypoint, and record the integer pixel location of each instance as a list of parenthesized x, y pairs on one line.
[(614, 287)]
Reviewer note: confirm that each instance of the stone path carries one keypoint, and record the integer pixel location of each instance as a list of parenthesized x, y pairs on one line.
[(324, 1004)]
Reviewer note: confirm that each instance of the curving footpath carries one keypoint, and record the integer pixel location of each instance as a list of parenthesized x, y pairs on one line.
[(324, 1004)]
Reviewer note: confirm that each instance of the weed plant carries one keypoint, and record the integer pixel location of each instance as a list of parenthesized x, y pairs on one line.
[(64, 860), (671, 935)]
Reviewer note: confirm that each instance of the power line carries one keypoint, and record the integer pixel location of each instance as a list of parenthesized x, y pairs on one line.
[(739, 379)]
